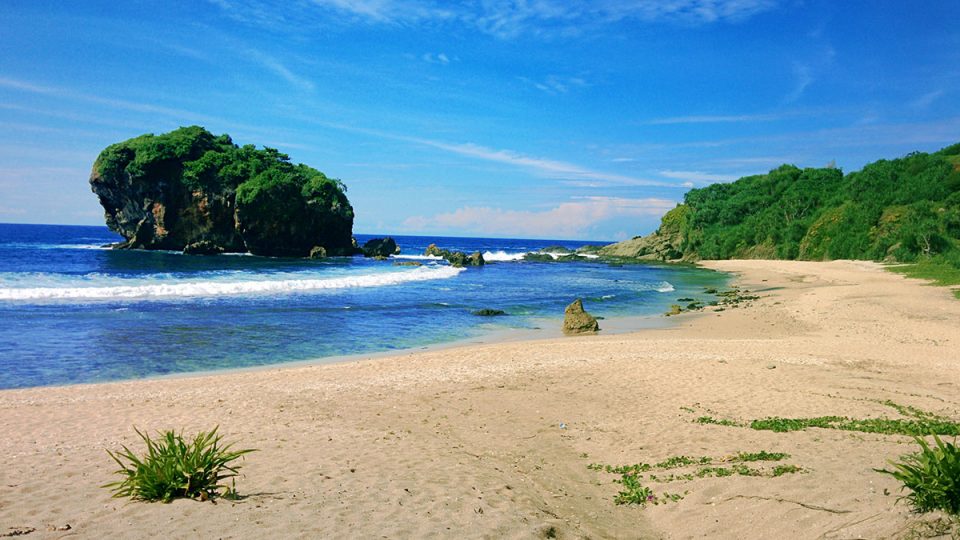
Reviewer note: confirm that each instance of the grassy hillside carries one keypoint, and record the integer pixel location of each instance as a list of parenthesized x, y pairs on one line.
[(905, 210)]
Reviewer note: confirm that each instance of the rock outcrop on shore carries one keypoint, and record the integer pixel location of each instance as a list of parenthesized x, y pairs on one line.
[(664, 244), (577, 321), (190, 190)]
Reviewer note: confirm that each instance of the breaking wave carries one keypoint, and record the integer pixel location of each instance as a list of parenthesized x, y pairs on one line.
[(207, 288)]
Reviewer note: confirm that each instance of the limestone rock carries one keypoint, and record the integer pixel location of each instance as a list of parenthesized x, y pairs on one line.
[(577, 321)]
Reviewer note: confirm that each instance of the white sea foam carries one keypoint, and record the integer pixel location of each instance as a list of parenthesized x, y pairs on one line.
[(417, 257), (222, 288), (502, 256), (665, 286), (82, 246)]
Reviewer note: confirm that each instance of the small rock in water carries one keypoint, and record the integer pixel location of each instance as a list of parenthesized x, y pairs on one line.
[(578, 321), (486, 312)]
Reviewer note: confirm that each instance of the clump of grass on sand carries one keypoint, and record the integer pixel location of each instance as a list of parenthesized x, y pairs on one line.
[(940, 272), (917, 423), (634, 492), (931, 475), (174, 467)]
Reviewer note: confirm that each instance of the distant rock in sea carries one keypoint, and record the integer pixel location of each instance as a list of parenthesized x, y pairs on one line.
[(487, 312), (380, 247), (190, 190), (456, 258), (577, 321)]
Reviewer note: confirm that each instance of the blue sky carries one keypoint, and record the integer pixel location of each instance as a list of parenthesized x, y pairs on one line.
[(536, 119)]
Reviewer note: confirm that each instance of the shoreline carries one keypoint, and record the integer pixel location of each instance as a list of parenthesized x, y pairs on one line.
[(544, 328), (493, 440)]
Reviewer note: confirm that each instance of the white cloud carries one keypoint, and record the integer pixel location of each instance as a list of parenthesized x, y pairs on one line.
[(574, 220)]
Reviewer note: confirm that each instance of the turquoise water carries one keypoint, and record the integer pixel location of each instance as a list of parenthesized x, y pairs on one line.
[(74, 312)]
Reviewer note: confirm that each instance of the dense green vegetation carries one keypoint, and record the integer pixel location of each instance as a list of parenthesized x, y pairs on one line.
[(905, 210), (200, 161)]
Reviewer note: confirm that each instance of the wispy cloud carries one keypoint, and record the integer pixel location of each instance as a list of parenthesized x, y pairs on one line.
[(715, 119), (80, 96), (803, 77), (550, 168), (926, 100), (555, 84), (575, 219), (698, 177), (278, 68), (545, 167), (505, 19), (439, 58), (172, 115)]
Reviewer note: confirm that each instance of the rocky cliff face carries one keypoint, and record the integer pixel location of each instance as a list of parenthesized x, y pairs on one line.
[(188, 190), (664, 244), (154, 214)]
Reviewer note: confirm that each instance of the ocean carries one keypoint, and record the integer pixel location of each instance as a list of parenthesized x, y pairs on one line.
[(75, 312)]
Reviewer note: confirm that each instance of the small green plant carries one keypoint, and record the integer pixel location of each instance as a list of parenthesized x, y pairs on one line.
[(914, 427), (932, 475), (762, 455), (634, 492), (716, 421), (781, 470), (174, 467)]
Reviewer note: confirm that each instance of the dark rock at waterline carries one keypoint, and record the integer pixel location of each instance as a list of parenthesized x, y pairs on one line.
[(380, 247), (188, 187), (318, 252), (559, 250), (577, 321), (203, 247), (537, 257), (551, 256), (408, 263), (458, 259), (486, 312)]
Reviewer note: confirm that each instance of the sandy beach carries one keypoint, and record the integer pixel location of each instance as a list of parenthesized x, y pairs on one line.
[(494, 441)]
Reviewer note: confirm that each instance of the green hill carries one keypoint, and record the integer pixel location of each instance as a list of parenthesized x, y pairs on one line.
[(905, 210)]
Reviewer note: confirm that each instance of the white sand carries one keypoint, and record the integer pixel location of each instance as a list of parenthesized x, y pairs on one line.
[(466, 442)]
